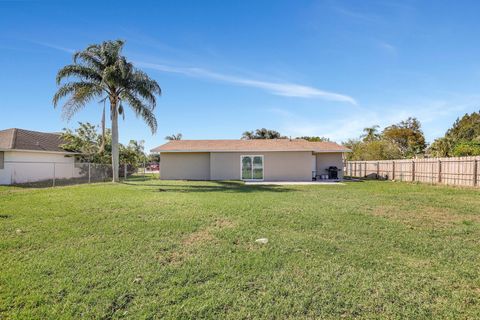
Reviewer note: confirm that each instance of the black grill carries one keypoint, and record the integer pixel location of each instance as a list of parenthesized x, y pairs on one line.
[(333, 172)]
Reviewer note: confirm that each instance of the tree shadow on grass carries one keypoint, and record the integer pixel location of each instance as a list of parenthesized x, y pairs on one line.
[(58, 183), (212, 186), (353, 179)]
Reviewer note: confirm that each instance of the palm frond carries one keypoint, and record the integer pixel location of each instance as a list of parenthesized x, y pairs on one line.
[(90, 58), (79, 71), (111, 51), (144, 87), (141, 110), (73, 88), (78, 100), (80, 94)]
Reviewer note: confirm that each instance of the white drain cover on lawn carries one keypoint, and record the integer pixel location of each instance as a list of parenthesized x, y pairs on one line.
[(262, 240)]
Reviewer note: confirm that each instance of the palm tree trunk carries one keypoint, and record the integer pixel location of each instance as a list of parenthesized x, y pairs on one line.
[(102, 147), (115, 151)]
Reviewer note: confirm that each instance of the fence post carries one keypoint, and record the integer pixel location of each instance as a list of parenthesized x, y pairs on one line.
[(89, 173), (378, 169), (475, 172), (439, 171), (365, 169), (413, 170), (393, 169), (124, 172), (54, 174)]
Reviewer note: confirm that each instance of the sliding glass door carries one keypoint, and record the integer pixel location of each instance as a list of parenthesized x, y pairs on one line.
[(252, 167)]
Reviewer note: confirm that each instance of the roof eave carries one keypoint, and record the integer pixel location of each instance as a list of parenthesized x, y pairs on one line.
[(207, 151), (40, 151)]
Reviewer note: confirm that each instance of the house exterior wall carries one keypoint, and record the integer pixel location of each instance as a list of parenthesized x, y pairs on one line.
[(27, 166), (225, 166), (278, 166), (185, 166), (325, 160), (288, 166)]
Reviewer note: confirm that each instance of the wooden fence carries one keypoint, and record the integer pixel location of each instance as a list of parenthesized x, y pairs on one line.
[(460, 171)]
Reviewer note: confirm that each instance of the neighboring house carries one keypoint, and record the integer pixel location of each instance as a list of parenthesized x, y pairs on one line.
[(30, 156), (258, 159)]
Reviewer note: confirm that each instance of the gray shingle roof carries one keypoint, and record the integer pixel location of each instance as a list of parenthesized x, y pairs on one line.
[(20, 139)]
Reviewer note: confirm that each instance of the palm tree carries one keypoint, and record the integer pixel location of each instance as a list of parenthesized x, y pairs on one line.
[(177, 136), (262, 133), (248, 135), (101, 72), (371, 133)]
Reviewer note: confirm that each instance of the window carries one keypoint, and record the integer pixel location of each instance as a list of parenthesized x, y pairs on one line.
[(2, 159), (251, 167)]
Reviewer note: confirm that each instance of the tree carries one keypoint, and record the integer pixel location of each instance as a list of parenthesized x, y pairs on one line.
[(459, 139), (401, 140), (371, 133), (372, 150), (101, 72), (88, 143), (441, 147), (153, 157), (314, 139), (262, 134), (407, 136), (465, 129), (177, 136), (133, 153), (468, 148)]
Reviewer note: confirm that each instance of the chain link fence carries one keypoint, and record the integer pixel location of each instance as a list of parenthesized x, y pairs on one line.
[(52, 174)]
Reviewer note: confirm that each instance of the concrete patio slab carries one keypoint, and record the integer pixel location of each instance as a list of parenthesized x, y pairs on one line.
[(285, 183)]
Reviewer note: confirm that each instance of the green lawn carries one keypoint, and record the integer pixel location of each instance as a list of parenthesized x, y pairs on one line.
[(156, 249)]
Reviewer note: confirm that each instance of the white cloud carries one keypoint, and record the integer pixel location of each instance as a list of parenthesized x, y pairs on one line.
[(388, 48), (436, 117), (53, 46), (338, 128), (356, 15), (277, 88)]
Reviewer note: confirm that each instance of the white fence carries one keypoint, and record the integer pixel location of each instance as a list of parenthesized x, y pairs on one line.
[(45, 174), (458, 171)]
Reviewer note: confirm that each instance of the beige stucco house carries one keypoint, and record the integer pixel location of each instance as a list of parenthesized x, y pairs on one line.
[(249, 160), (31, 156)]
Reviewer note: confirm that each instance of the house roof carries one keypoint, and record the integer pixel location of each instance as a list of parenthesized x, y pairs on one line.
[(20, 139), (254, 145)]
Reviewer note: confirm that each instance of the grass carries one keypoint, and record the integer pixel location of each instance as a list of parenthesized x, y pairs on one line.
[(158, 249)]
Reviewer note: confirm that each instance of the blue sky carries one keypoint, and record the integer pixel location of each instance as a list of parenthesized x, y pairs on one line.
[(327, 68)]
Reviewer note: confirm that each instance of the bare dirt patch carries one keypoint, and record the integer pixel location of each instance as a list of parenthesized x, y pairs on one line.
[(205, 235), (196, 239)]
